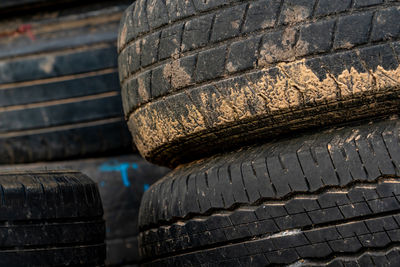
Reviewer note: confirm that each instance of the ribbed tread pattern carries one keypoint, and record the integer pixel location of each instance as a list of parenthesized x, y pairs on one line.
[(59, 89), (50, 218)]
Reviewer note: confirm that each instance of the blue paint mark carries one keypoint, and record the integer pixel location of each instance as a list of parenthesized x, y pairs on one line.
[(146, 187), (121, 167), (102, 183)]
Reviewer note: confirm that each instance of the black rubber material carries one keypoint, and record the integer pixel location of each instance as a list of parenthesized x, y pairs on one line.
[(323, 198), (201, 76), (9, 8), (51, 218), (59, 90), (121, 199)]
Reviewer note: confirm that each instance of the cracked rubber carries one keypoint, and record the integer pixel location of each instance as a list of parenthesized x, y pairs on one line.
[(50, 218), (199, 77), (59, 89), (319, 199)]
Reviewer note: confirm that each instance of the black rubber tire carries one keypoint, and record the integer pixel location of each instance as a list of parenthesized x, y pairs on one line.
[(22, 7), (201, 76), (323, 199), (51, 218), (121, 199), (59, 89)]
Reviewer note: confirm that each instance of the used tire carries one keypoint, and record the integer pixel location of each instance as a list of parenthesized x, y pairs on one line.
[(59, 89), (201, 76), (51, 218), (322, 199), (122, 181), (20, 7)]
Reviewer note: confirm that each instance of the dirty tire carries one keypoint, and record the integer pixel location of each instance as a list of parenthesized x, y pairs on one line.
[(120, 198), (200, 77), (51, 218), (59, 89), (316, 199)]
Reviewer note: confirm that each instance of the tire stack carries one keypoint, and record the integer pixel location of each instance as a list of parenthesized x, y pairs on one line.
[(280, 119), (60, 106)]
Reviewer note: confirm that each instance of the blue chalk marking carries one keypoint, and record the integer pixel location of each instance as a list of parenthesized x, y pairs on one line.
[(121, 167), (145, 187), (102, 183)]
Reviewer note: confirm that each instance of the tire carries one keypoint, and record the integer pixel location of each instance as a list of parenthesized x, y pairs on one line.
[(21, 7), (320, 199), (198, 77), (59, 89), (51, 218), (120, 198)]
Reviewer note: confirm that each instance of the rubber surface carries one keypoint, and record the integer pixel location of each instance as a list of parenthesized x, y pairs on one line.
[(50, 219), (198, 77), (322, 199), (59, 90), (122, 181), (22, 7)]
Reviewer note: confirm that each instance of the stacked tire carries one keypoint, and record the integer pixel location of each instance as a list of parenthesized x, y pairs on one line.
[(51, 218), (281, 121), (60, 107)]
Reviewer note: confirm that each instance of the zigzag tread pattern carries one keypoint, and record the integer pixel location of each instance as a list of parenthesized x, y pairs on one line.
[(346, 175), (335, 157), (329, 206)]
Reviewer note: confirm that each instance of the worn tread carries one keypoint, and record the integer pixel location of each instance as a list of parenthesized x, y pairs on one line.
[(59, 89), (223, 98), (330, 206), (50, 218), (305, 185)]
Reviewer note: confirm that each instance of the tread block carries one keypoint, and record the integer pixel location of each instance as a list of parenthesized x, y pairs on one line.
[(170, 42), (156, 13), (140, 22), (261, 15), (210, 64), (179, 9), (315, 38), (326, 7), (353, 30), (150, 48), (196, 32), (384, 24), (227, 23), (243, 55), (296, 10)]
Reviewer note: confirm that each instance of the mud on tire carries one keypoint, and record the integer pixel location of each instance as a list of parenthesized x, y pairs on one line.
[(200, 77)]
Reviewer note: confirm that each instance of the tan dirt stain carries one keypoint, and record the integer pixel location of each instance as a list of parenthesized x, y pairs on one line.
[(294, 86), (178, 75), (295, 14), (122, 38), (286, 51), (142, 89)]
